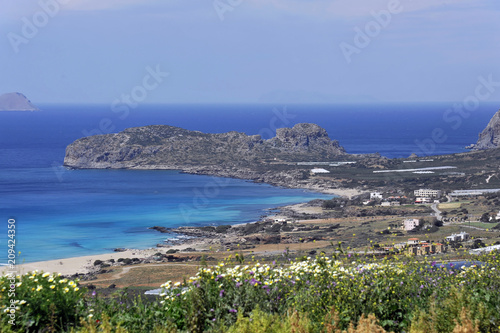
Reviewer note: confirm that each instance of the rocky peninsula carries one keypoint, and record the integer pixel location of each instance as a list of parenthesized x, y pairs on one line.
[(233, 154), (168, 147)]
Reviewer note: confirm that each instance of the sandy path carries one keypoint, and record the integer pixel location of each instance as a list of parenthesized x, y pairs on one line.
[(127, 269)]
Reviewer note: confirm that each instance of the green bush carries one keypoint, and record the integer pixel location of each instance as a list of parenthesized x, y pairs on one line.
[(41, 300)]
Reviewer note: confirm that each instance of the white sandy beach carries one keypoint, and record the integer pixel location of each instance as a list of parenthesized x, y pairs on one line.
[(85, 264), (343, 192)]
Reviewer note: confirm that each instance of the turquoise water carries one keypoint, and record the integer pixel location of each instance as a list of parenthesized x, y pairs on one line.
[(63, 213)]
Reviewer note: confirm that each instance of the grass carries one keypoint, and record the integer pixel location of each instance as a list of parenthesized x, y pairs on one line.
[(450, 205), (481, 225)]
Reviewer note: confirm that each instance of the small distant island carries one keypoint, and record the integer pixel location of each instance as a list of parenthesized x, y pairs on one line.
[(16, 102)]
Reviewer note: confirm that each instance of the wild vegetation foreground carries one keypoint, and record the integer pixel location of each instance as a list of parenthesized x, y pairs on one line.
[(336, 293)]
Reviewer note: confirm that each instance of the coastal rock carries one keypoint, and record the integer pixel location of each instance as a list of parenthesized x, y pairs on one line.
[(168, 147), (162, 230), (305, 137), (16, 102), (490, 136)]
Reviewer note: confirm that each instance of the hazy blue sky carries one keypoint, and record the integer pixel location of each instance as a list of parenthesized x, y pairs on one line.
[(227, 51)]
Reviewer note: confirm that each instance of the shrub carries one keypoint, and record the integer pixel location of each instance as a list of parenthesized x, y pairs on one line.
[(394, 291), (343, 293), (42, 300)]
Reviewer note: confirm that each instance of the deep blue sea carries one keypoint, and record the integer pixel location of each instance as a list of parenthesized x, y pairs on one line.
[(63, 213)]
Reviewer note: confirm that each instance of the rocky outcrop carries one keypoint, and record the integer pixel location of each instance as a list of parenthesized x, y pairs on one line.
[(305, 138), (168, 147), (16, 102), (490, 136)]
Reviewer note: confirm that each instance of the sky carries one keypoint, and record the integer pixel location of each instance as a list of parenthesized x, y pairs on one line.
[(249, 51)]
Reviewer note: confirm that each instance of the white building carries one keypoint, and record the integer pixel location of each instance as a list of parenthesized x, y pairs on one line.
[(428, 193), (423, 200), (413, 241), (376, 195), (319, 170), (410, 224), (463, 236)]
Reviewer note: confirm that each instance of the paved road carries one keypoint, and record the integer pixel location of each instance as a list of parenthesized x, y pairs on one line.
[(437, 211)]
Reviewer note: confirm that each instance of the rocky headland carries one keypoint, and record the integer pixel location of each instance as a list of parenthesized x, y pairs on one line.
[(16, 102), (168, 147), (490, 136), (232, 154)]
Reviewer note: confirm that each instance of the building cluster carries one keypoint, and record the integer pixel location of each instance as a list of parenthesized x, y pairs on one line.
[(416, 247), (389, 201), (423, 196)]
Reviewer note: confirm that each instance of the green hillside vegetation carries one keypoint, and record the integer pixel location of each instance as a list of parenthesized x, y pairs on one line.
[(334, 293)]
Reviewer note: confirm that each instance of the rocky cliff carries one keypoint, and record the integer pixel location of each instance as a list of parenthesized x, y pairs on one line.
[(490, 136), (16, 102), (168, 147)]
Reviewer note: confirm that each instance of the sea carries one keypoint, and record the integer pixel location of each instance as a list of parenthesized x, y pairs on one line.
[(60, 213)]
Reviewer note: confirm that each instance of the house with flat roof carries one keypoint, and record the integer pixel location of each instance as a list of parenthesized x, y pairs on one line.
[(420, 200), (460, 237), (428, 193), (410, 224)]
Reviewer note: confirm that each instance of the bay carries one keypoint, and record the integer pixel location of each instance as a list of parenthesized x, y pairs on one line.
[(63, 213)]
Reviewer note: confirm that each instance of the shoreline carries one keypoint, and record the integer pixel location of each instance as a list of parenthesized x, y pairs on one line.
[(84, 264)]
